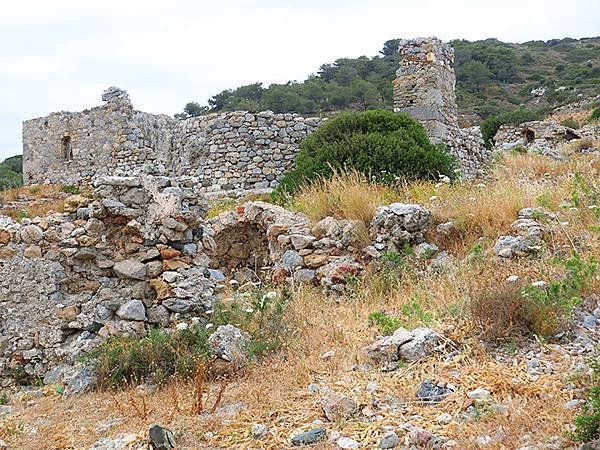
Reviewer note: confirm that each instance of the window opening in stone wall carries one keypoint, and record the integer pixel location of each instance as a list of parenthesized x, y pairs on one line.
[(529, 135), (67, 148)]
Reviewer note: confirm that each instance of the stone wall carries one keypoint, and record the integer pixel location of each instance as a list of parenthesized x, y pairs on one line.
[(239, 150), (542, 136), (425, 89), (234, 151), (135, 256), (140, 254)]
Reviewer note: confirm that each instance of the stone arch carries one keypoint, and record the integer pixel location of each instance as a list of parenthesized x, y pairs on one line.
[(248, 237), (242, 246), (529, 135), (67, 148)]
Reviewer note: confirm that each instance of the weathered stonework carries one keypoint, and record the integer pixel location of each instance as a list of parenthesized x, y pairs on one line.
[(140, 254), (234, 151), (538, 136), (425, 89)]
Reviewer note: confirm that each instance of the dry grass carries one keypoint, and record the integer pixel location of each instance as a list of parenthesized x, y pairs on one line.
[(32, 201), (274, 390), (347, 195)]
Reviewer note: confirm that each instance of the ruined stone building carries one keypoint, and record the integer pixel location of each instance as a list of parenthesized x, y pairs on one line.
[(425, 89), (234, 151)]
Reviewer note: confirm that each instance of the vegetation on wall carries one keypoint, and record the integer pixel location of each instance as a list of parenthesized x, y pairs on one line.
[(492, 77)]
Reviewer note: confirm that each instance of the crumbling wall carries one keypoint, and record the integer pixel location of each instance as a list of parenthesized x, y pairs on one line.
[(239, 150), (135, 256), (541, 136), (234, 151), (424, 88)]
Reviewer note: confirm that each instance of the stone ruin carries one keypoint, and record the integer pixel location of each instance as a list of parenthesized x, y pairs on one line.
[(425, 89), (140, 253), (543, 137), (231, 153)]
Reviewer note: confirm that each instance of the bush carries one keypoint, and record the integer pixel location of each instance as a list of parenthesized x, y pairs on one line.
[(382, 145), (548, 306), (587, 424), (70, 189), (490, 126), (595, 114), (570, 123), (156, 357), (164, 353), (497, 312), (386, 324), (541, 310)]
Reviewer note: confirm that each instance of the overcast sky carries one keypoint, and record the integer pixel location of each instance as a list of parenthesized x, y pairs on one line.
[(60, 54)]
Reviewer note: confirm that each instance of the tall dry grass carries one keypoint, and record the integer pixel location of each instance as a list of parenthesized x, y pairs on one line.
[(346, 195)]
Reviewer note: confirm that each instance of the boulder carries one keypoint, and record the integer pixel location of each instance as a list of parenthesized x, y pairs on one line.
[(229, 344), (338, 406), (161, 438), (309, 437)]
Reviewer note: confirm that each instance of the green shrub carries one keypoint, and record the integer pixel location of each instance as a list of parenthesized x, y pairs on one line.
[(70, 189), (595, 114), (380, 144), (547, 307), (571, 123), (259, 313), (490, 126), (157, 357), (386, 324), (587, 424), (164, 353)]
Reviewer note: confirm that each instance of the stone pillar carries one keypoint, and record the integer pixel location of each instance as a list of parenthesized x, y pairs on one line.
[(425, 83)]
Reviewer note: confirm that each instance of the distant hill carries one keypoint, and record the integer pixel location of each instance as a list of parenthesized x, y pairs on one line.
[(11, 172), (492, 77)]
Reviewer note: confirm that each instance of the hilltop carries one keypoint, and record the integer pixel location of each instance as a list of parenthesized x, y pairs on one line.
[(492, 77)]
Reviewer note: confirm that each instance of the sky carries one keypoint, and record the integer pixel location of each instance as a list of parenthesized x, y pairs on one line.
[(61, 54)]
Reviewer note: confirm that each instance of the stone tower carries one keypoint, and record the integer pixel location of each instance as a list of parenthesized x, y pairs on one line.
[(424, 84), (424, 88)]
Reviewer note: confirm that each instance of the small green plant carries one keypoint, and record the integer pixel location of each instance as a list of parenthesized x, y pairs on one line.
[(261, 314), (34, 190), (544, 200), (477, 250), (595, 114), (587, 424), (393, 258), (570, 123), (385, 323), (519, 150), (70, 189), (22, 214), (3, 399), (549, 305), (413, 312)]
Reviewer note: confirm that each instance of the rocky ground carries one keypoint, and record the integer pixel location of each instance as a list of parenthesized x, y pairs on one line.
[(433, 371)]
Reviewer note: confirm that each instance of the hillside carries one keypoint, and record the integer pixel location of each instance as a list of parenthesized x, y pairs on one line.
[(492, 77), (11, 172)]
